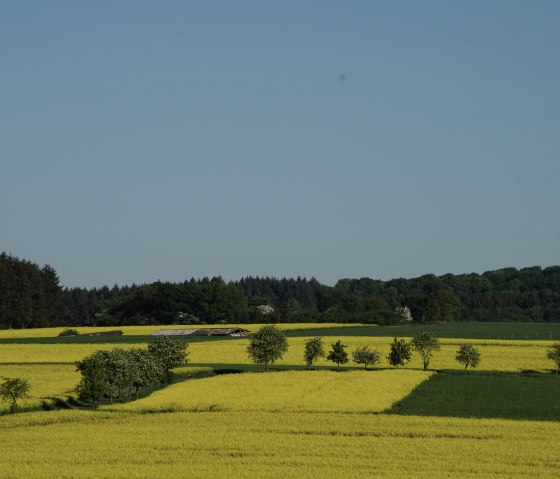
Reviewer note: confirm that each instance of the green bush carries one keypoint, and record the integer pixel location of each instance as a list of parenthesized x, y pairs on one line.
[(69, 332)]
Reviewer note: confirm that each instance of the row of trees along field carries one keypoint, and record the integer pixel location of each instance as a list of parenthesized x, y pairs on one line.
[(269, 344), (30, 296)]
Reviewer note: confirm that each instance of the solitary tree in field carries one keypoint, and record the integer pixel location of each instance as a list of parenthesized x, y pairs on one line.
[(13, 389), (401, 353), (553, 353), (365, 355), (468, 355), (338, 354), (267, 345), (313, 351), (426, 344)]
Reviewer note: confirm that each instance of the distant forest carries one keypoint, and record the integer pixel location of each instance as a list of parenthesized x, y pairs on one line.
[(31, 296)]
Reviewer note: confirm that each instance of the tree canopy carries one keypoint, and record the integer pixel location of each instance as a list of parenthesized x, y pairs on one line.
[(365, 355), (313, 351), (12, 390), (338, 354), (426, 344), (267, 345), (468, 355), (553, 353), (400, 352)]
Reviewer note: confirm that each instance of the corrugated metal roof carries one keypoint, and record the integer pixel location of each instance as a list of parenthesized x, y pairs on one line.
[(200, 332)]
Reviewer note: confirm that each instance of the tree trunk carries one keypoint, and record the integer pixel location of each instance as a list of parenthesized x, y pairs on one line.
[(337, 367), (266, 366), (13, 406)]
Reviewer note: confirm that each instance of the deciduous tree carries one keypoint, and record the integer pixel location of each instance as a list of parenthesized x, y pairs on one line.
[(404, 313), (313, 351), (400, 353), (338, 354), (147, 370), (14, 389), (468, 355), (267, 345), (426, 344), (553, 353), (441, 306), (171, 353), (95, 382), (365, 355)]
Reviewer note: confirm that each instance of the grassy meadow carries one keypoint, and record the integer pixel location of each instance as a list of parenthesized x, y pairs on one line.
[(501, 420)]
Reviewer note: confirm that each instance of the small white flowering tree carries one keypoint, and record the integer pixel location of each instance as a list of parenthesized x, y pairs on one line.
[(264, 309), (404, 313)]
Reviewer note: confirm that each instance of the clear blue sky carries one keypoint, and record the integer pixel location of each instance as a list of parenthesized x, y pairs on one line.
[(175, 139)]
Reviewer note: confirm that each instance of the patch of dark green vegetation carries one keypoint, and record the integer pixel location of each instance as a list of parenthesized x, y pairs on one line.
[(465, 330), (51, 404), (218, 372), (522, 396)]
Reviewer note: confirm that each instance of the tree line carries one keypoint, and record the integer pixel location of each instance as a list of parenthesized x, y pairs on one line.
[(269, 345), (31, 296)]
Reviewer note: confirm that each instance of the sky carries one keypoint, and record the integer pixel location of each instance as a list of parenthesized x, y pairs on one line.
[(164, 140)]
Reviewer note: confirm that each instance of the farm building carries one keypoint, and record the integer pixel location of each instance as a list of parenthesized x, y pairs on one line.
[(202, 332)]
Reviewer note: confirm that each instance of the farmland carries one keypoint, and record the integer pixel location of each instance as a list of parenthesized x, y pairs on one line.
[(498, 421)]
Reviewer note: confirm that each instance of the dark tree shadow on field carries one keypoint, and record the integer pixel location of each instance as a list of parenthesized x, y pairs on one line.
[(484, 395)]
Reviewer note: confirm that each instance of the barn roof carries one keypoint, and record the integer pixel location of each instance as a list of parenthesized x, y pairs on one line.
[(200, 332)]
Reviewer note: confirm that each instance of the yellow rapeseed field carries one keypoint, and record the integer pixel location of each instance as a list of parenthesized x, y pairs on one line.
[(243, 444), (354, 391), (288, 424), (497, 355), (46, 380)]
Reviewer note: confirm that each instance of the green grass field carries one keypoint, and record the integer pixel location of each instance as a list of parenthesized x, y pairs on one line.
[(484, 395), (466, 330), (496, 422), (140, 334)]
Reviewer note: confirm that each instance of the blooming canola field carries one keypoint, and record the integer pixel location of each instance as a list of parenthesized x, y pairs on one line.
[(303, 391), (499, 422)]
